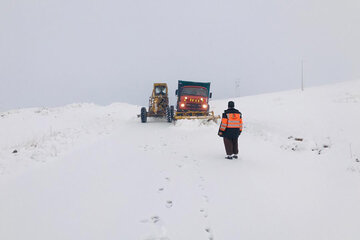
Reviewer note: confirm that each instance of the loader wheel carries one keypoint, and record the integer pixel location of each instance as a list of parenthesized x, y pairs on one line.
[(169, 113), (143, 115), (172, 112)]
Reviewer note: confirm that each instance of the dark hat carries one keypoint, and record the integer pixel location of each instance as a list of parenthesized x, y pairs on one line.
[(231, 104)]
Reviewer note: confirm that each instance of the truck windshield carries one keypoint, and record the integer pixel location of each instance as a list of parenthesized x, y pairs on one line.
[(194, 91)]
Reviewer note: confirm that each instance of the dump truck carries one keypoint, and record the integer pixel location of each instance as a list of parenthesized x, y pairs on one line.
[(158, 104), (193, 101)]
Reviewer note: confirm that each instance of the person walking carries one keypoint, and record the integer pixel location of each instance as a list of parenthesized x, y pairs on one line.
[(230, 130)]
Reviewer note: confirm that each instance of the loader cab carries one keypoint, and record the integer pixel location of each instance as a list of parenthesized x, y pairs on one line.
[(160, 90)]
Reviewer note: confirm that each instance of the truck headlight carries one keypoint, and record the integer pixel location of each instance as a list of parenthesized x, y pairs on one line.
[(204, 105), (182, 105)]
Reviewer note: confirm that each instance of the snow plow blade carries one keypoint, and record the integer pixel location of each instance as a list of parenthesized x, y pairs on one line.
[(210, 116)]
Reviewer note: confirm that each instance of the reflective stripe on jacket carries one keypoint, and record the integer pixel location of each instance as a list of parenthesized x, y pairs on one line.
[(224, 124), (234, 120)]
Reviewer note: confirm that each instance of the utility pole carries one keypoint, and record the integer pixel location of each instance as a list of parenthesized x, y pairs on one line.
[(302, 75)]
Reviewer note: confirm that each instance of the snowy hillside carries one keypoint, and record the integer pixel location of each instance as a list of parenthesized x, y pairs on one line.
[(84, 171)]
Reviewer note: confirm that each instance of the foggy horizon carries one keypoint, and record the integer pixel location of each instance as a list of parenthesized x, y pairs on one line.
[(63, 52)]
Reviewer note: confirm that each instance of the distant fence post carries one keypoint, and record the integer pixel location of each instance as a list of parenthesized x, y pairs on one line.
[(302, 75)]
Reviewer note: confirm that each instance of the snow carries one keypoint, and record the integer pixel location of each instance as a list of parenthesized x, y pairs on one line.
[(84, 171)]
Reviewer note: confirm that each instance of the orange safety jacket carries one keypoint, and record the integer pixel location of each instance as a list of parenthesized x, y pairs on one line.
[(232, 120)]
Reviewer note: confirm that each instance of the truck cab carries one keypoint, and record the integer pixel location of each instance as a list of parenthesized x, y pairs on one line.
[(193, 96)]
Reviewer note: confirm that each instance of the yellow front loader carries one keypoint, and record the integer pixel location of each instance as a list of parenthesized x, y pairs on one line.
[(158, 104)]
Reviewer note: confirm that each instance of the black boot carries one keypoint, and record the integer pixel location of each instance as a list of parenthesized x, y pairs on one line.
[(229, 157)]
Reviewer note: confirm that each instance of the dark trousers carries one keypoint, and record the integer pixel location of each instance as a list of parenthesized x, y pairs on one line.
[(231, 146)]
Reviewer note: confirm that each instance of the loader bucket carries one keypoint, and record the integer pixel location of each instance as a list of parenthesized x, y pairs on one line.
[(208, 116)]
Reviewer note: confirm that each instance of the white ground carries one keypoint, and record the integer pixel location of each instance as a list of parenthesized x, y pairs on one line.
[(89, 172)]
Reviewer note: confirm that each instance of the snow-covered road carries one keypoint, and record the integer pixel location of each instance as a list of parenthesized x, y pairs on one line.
[(115, 178)]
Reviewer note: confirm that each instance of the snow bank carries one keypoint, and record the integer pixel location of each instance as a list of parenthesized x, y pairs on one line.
[(39, 134), (323, 117)]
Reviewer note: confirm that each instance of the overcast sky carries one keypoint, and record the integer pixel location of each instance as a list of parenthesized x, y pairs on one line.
[(55, 52)]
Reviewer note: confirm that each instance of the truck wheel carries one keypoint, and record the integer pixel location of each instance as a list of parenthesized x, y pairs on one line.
[(143, 115), (169, 117)]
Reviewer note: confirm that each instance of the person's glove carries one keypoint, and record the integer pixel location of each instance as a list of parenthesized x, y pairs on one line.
[(220, 133)]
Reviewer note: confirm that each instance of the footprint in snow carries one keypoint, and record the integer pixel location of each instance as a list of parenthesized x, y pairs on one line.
[(205, 214), (161, 233), (155, 219), (208, 230), (206, 198), (169, 204)]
